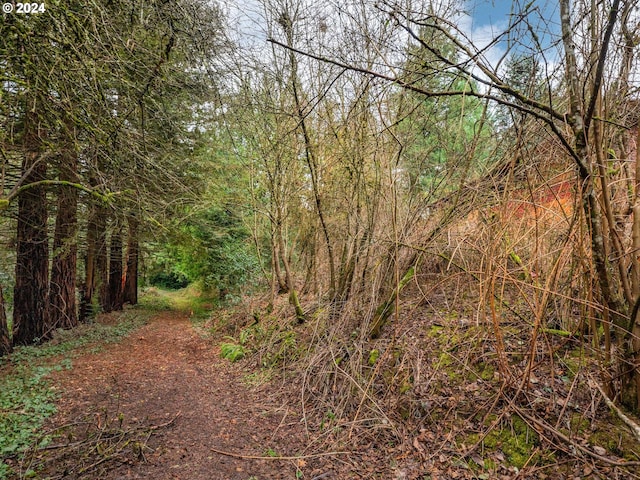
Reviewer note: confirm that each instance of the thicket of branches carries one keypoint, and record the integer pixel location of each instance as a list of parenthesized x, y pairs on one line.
[(386, 144)]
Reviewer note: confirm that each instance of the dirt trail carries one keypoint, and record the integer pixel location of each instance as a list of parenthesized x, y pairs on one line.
[(168, 381)]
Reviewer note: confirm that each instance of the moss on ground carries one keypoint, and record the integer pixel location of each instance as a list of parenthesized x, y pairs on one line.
[(514, 439), (485, 371), (614, 436)]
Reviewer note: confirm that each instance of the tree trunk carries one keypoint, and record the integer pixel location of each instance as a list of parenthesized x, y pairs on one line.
[(580, 129), (115, 270), (88, 287), (293, 295), (62, 289), (5, 340), (95, 264), (102, 263), (580, 119), (130, 294), (30, 313), (115, 297), (275, 259)]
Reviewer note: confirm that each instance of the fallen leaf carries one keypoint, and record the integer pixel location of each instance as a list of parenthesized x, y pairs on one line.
[(478, 459), (599, 450), (472, 387)]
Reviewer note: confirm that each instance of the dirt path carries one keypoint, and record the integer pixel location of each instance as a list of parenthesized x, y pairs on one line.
[(161, 404)]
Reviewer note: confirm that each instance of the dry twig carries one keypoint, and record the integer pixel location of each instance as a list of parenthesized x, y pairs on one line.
[(633, 426)]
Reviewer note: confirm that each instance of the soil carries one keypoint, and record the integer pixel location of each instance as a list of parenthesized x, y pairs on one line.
[(163, 404)]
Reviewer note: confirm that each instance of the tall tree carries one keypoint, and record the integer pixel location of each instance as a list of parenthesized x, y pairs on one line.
[(130, 293), (113, 107), (30, 304), (6, 345), (62, 290), (95, 261), (114, 296)]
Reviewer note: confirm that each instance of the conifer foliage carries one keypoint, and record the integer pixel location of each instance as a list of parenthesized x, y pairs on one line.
[(94, 106)]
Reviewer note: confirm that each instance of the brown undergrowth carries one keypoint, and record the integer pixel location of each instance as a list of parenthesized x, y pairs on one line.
[(438, 395), (494, 359)]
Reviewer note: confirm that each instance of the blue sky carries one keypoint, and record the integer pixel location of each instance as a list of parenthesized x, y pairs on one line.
[(484, 14), (489, 12), (480, 20), (484, 20)]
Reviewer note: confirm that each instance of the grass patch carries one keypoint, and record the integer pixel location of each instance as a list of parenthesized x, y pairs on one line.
[(155, 299), (26, 396), (192, 299)]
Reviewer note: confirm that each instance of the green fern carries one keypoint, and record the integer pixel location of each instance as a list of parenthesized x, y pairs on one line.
[(232, 351)]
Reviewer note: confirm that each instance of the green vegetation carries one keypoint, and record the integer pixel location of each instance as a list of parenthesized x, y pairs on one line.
[(516, 440), (213, 250), (193, 299), (512, 438), (232, 351), (270, 452), (155, 299), (374, 354), (26, 401), (275, 344), (209, 242)]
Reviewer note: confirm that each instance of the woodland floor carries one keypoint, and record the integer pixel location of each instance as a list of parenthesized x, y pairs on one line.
[(163, 404)]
